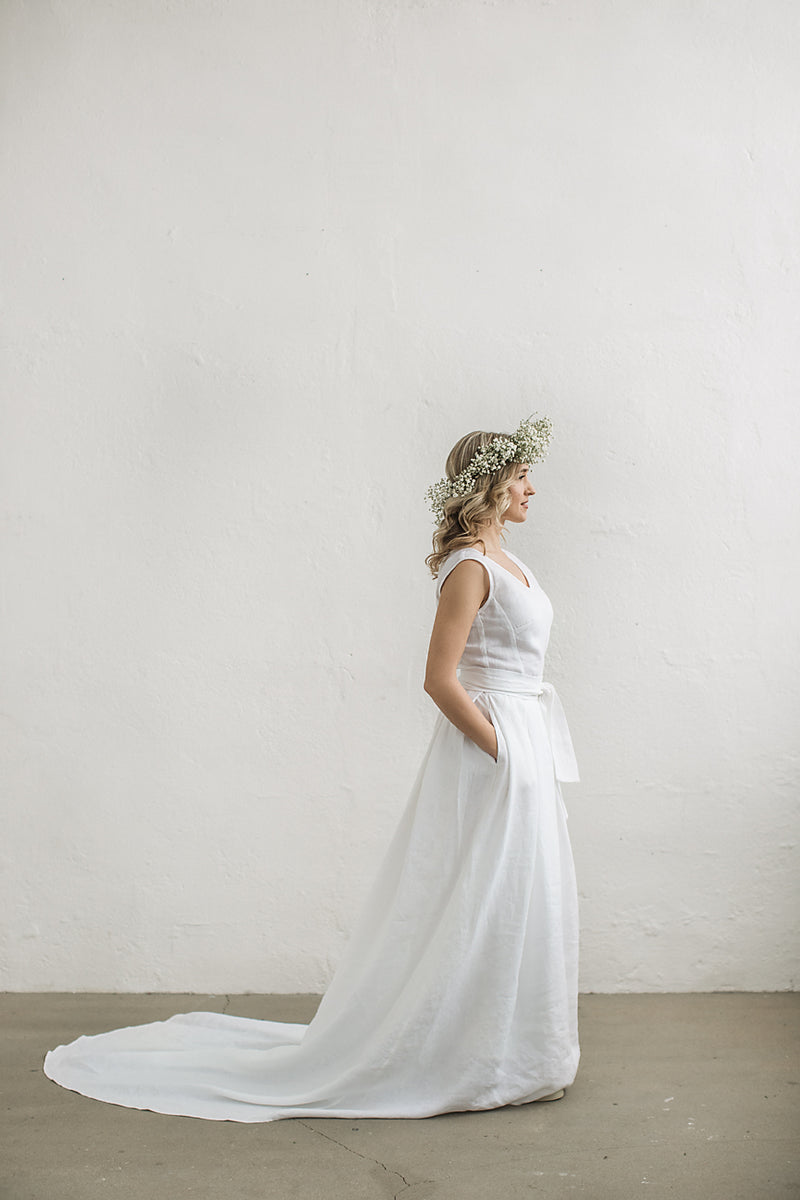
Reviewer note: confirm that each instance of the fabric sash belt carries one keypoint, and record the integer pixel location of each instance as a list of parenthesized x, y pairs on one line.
[(485, 679)]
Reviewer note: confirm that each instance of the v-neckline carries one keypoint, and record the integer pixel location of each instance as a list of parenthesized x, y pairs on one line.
[(526, 585)]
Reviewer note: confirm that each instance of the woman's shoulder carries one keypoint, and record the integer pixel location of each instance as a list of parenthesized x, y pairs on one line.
[(455, 558)]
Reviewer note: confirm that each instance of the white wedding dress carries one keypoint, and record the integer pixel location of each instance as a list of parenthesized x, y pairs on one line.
[(458, 989)]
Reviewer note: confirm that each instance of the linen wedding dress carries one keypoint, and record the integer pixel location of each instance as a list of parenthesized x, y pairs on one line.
[(458, 989)]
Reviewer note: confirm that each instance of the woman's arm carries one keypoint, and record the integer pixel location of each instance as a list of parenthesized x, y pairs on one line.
[(463, 592)]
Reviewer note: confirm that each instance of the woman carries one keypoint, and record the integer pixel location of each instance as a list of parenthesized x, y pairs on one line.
[(458, 989)]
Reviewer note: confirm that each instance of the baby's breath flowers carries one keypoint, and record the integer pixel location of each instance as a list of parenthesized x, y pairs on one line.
[(528, 445)]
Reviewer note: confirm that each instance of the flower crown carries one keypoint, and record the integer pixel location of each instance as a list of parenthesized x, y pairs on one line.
[(528, 445)]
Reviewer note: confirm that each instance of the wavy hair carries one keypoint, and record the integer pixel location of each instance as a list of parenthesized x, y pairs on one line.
[(464, 516)]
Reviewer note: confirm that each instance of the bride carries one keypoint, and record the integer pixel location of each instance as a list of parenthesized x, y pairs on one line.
[(458, 988)]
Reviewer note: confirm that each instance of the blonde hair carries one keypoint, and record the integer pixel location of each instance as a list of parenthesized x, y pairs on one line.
[(464, 516)]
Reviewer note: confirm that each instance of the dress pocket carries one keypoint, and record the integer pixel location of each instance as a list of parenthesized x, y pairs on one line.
[(501, 745), (478, 758)]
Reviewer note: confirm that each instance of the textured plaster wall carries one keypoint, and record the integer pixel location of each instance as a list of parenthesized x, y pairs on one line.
[(264, 262)]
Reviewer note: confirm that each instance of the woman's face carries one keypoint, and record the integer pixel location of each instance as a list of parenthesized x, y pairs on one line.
[(520, 491)]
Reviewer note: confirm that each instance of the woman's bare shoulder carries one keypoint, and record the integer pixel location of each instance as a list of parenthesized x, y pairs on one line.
[(467, 578)]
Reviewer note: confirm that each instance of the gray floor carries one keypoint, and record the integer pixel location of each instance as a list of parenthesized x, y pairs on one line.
[(691, 1096)]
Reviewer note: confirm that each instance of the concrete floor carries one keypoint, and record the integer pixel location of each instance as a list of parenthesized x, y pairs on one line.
[(690, 1096)]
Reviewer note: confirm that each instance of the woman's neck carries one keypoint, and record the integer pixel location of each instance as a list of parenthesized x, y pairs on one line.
[(491, 536)]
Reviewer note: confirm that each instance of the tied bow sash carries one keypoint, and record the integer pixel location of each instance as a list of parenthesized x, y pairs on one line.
[(485, 679)]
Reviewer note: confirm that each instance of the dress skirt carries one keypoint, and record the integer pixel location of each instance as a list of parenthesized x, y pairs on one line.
[(458, 988)]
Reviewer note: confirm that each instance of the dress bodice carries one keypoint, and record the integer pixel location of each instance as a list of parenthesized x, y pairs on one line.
[(511, 628)]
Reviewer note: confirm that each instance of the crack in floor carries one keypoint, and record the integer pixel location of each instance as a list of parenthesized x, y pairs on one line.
[(358, 1154)]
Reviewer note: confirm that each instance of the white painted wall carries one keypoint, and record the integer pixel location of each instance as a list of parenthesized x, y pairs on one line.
[(264, 263)]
